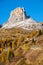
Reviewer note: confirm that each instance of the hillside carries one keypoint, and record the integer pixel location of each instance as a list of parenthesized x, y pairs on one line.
[(21, 40), (27, 46)]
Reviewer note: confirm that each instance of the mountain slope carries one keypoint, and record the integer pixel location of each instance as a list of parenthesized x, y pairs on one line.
[(19, 45), (18, 18)]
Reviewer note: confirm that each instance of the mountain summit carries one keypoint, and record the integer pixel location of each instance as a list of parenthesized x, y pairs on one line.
[(18, 15), (18, 18)]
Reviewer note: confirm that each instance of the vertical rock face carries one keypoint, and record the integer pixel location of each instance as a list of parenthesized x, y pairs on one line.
[(17, 15)]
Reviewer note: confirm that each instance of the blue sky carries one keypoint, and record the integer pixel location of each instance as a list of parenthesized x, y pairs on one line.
[(34, 8)]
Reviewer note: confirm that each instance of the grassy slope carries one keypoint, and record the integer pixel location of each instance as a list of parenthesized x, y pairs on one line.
[(26, 50)]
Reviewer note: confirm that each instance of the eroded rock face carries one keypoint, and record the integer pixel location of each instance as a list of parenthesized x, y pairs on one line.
[(17, 15)]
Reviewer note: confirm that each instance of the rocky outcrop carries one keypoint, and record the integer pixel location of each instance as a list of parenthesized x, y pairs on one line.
[(17, 15)]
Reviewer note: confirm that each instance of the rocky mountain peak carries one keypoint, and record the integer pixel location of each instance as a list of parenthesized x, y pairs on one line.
[(18, 14), (18, 18)]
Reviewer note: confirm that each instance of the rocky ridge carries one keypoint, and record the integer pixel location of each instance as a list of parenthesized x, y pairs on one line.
[(18, 18)]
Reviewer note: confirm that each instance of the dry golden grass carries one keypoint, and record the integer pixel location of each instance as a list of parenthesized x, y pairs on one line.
[(22, 42)]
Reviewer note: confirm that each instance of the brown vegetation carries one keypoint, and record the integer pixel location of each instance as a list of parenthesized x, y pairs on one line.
[(15, 47)]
